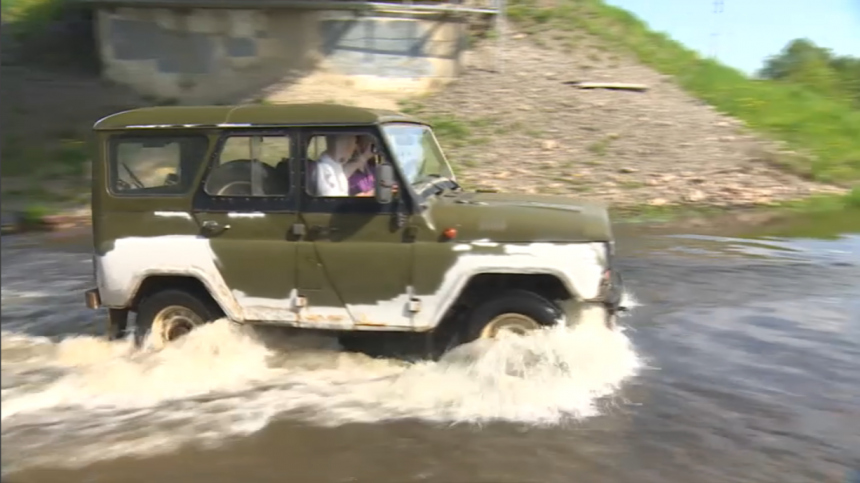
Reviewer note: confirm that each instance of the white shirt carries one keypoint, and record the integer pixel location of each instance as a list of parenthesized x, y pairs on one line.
[(331, 180)]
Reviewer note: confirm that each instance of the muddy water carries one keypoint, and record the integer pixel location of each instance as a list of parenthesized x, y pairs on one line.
[(739, 362)]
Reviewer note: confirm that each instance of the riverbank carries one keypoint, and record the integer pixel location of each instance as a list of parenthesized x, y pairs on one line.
[(744, 214), (670, 152)]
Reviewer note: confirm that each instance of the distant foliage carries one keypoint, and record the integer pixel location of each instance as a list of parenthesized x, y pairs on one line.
[(803, 63), (31, 17), (54, 33)]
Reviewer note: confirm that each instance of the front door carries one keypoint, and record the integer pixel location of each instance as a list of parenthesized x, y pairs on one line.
[(354, 262), (246, 206)]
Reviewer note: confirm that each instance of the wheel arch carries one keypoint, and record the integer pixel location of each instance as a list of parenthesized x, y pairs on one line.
[(157, 281), (548, 283)]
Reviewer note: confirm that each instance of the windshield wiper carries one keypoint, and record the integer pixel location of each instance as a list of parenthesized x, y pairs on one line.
[(427, 178), (434, 182)]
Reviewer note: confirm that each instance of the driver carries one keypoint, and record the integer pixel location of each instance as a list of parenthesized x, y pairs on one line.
[(337, 164)]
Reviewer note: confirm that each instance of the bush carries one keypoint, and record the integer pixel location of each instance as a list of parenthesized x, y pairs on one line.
[(853, 198), (58, 33)]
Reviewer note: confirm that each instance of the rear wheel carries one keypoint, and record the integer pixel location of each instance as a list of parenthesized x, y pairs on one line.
[(171, 314), (513, 312)]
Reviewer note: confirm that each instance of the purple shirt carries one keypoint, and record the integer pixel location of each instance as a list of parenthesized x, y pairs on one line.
[(361, 181)]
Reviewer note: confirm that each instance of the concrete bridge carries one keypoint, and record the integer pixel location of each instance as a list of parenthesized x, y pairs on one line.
[(206, 51)]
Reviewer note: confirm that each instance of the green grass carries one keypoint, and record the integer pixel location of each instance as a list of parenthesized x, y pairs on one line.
[(808, 122), (452, 131), (853, 198), (600, 147), (66, 157), (52, 173), (821, 204), (33, 214)]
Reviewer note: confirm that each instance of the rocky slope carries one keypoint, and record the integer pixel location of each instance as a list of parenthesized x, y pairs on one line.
[(532, 131)]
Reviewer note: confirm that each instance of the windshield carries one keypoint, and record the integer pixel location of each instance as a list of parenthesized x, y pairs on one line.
[(417, 153)]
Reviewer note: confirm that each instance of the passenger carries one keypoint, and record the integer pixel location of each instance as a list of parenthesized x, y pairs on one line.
[(335, 166), (363, 180)]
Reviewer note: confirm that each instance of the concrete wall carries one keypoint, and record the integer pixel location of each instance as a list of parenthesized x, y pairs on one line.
[(220, 55)]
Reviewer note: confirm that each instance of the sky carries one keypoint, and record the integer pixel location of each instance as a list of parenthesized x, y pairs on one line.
[(751, 30)]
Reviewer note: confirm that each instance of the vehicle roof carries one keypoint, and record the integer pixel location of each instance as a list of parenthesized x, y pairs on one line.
[(248, 116)]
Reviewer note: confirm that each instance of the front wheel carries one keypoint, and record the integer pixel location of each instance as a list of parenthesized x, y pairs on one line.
[(513, 312), (171, 314)]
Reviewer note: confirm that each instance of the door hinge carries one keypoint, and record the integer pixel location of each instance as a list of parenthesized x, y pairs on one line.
[(414, 305), (410, 233)]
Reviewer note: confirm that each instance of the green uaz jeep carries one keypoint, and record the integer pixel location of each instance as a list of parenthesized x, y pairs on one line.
[(208, 212)]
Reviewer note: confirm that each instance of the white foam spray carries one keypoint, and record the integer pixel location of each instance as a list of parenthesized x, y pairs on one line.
[(83, 399)]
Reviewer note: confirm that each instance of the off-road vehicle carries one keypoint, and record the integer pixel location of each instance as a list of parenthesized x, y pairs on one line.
[(208, 212)]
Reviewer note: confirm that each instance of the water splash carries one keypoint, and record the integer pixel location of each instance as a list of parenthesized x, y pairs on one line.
[(84, 398)]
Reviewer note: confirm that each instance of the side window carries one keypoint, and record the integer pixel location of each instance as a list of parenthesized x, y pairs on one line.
[(328, 176), (155, 165), (251, 165)]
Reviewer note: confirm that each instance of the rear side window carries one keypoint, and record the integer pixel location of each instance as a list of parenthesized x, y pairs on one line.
[(155, 165)]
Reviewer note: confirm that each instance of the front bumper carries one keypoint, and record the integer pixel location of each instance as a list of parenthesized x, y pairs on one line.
[(590, 314), (93, 299), (117, 318), (602, 311), (613, 291)]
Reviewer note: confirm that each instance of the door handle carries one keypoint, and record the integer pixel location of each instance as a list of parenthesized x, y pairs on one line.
[(298, 229), (320, 230), (212, 228)]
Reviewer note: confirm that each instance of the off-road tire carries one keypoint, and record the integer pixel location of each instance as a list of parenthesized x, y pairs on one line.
[(521, 302), (153, 304)]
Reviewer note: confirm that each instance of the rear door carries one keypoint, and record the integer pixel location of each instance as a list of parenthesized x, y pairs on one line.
[(246, 207)]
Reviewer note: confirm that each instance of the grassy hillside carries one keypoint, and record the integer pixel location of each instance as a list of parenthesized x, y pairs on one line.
[(810, 123)]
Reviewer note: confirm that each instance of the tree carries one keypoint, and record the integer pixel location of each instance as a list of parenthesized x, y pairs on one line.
[(804, 63)]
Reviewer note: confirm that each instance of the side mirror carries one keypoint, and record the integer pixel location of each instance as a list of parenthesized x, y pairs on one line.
[(384, 189)]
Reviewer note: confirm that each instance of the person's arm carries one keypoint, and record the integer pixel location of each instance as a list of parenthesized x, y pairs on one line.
[(361, 161), (326, 181), (353, 166)]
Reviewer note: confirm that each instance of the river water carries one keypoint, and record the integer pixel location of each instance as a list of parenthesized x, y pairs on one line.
[(739, 361)]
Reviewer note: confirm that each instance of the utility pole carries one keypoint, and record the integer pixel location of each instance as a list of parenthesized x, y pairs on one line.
[(501, 31), (717, 22)]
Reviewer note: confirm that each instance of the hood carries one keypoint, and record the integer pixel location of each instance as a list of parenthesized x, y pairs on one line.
[(519, 218)]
